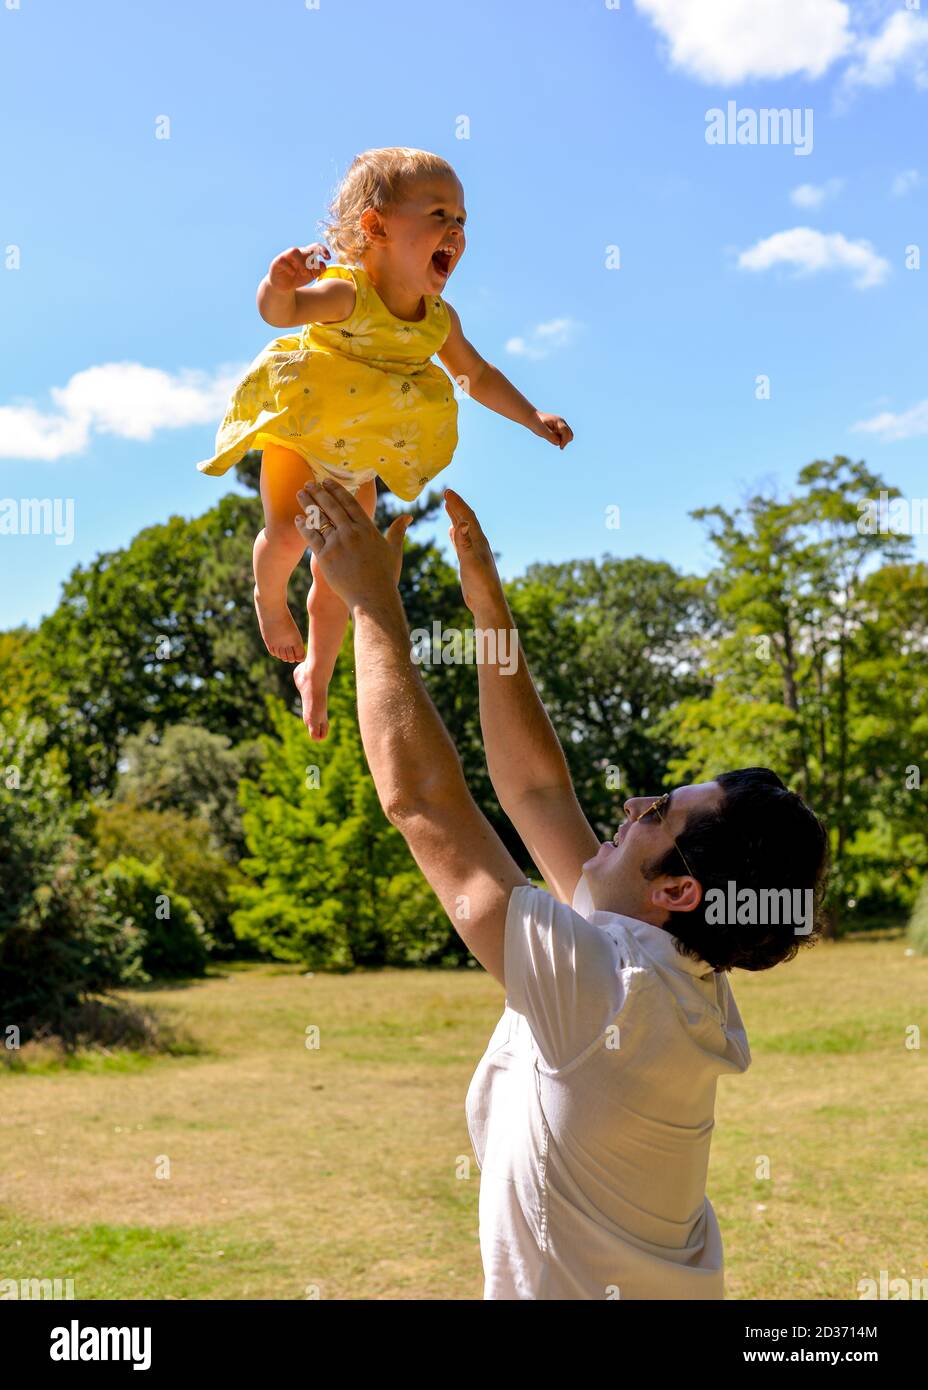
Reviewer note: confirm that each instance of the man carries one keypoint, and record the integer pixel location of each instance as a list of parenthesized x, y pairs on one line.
[(592, 1110)]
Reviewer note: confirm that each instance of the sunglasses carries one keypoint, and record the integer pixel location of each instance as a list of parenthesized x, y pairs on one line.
[(656, 808)]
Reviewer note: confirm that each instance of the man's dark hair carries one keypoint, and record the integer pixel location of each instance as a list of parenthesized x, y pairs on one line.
[(762, 837)]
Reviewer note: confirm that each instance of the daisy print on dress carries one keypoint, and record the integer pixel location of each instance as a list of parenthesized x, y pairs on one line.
[(405, 437), (407, 332), (342, 446), (403, 395), (302, 423), (285, 367), (245, 402), (362, 335)]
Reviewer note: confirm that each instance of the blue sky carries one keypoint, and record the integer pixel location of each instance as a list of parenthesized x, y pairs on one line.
[(128, 264)]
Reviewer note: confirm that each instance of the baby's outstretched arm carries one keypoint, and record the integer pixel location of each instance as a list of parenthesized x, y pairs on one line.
[(485, 383), (286, 299)]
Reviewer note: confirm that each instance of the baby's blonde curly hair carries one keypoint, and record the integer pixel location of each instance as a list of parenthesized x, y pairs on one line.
[(376, 179)]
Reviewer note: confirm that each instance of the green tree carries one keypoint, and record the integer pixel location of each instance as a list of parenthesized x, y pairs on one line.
[(612, 646), (800, 649), (333, 884), (161, 632), (187, 769)]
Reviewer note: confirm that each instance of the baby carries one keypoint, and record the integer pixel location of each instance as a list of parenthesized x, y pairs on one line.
[(355, 395)]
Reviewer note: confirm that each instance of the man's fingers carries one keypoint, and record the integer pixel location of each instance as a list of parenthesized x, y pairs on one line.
[(466, 529), (396, 531), (461, 538), (338, 503), (313, 538), (313, 506), (460, 512)]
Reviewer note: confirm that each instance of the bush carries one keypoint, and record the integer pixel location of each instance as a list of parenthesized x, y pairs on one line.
[(199, 871), (917, 934), (174, 942), (63, 948), (59, 945)]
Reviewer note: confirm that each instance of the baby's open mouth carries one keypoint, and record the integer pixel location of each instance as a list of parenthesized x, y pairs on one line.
[(442, 260)]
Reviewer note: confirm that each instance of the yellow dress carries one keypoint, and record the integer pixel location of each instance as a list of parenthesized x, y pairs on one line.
[(356, 399)]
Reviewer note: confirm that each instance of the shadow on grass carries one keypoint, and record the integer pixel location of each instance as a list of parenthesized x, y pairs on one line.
[(101, 1034), (167, 986)]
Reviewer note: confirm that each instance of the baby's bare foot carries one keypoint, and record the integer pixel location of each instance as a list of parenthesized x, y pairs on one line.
[(314, 697), (281, 634)]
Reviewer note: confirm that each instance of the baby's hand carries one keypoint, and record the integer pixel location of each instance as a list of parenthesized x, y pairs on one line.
[(298, 266), (553, 428)]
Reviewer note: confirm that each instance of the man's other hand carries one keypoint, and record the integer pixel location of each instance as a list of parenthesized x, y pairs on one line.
[(480, 581)]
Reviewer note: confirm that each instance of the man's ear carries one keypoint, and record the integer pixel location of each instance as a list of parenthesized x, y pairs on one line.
[(677, 894)]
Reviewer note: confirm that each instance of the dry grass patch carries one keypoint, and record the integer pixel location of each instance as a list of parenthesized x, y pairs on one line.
[(293, 1167)]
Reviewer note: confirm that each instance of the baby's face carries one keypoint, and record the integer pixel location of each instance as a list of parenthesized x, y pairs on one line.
[(426, 232)]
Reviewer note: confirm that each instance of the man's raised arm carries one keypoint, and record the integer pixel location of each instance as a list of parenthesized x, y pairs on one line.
[(525, 760), (414, 764)]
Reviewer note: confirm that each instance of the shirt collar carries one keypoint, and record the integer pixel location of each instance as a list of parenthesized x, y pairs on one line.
[(656, 942)]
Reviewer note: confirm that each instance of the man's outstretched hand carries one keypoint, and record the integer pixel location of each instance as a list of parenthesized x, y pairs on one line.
[(358, 563), (480, 581)]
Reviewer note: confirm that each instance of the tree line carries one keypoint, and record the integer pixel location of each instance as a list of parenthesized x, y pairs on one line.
[(161, 805)]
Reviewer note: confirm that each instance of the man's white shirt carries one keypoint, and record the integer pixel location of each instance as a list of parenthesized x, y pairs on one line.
[(591, 1112)]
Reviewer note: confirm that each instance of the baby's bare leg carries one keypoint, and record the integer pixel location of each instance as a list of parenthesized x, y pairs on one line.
[(279, 549), (328, 619)]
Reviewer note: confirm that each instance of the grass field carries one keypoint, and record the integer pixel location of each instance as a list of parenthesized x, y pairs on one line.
[(347, 1169)]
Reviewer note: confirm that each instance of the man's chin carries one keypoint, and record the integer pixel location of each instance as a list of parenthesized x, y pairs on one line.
[(602, 856)]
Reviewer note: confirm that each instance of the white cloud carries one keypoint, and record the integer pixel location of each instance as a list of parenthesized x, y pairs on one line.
[(545, 338), (733, 40), (121, 398), (811, 251), (811, 195), (904, 183), (900, 46), (890, 426)]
